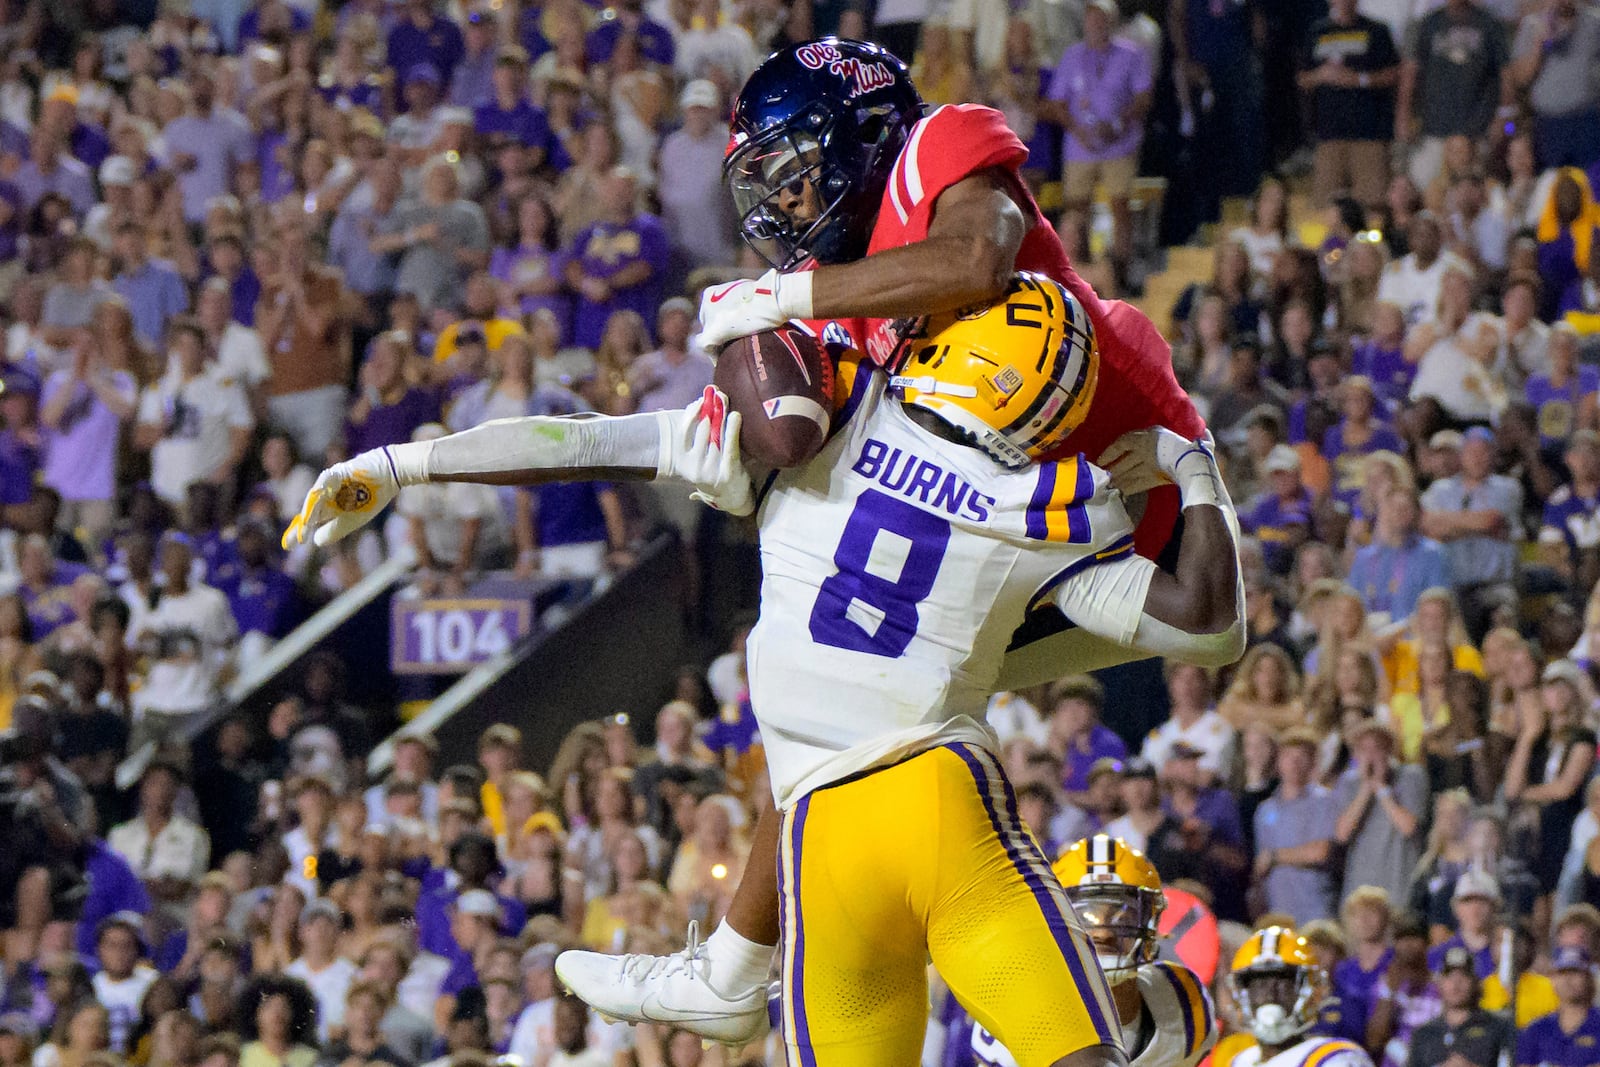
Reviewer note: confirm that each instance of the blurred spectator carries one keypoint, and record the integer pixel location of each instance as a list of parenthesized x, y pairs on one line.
[(195, 425), (240, 356), (1455, 351), (1567, 229), (21, 455), (154, 291), (1400, 564), (1280, 516), (1413, 281), (1099, 96), (1294, 831), (1267, 233), (1473, 904), (324, 972), (695, 206), (167, 851), (528, 270), (122, 979), (1351, 74), (616, 263), (389, 408), (1476, 516), (203, 144), (1575, 1024), (422, 36), (1194, 721), (1450, 82), (1368, 916), (674, 375), (304, 325), (70, 302), (1265, 689), (190, 633), (1076, 736), (570, 1026), (1463, 1030), (263, 598), (1382, 803), (1405, 999), (1553, 756), (440, 237), (1526, 349), (1566, 396), (1360, 431), (1556, 50), (278, 1020), (1217, 63), (365, 1006)]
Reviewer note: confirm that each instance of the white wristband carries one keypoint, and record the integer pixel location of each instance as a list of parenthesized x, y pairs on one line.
[(409, 461), (1199, 481), (793, 294)]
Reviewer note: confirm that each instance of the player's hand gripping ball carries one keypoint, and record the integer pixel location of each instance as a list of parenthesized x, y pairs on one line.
[(781, 383)]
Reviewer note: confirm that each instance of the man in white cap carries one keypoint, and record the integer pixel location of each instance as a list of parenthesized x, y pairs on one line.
[(117, 175), (328, 974), (1474, 902), (694, 201), (1280, 516)]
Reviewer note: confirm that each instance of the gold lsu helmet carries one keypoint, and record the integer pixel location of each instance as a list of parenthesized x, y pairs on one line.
[(1013, 377), (1116, 893), (1278, 984)]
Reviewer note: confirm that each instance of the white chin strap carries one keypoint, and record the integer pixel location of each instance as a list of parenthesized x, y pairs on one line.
[(1120, 970)]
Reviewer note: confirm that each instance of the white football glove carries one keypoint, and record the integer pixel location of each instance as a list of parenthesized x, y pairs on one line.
[(1141, 460), (706, 455), (344, 498), (739, 309)]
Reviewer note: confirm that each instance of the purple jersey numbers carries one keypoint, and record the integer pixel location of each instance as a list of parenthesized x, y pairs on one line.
[(849, 601)]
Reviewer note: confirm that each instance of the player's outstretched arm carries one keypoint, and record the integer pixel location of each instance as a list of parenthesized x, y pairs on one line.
[(1197, 614), (698, 445)]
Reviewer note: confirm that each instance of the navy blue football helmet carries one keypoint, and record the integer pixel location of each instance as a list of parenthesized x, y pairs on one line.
[(816, 132)]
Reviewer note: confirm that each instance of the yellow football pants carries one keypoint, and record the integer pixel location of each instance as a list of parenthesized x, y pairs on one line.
[(926, 857)]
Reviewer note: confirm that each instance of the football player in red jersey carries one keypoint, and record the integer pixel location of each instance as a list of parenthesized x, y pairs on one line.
[(872, 213)]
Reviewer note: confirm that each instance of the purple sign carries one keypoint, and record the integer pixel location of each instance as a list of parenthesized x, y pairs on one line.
[(453, 636)]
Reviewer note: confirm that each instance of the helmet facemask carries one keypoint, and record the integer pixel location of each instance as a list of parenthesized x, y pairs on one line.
[(793, 207), (1121, 921), (1277, 1002)]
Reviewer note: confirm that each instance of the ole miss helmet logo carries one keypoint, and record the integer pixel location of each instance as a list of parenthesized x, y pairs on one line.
[(861, 76)]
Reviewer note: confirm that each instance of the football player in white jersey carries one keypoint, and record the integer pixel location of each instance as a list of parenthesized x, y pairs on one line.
[(897, 565), (1163, 1007), (1280, 989)]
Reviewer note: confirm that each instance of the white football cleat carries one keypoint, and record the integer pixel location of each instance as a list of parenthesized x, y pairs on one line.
[(665, 989)]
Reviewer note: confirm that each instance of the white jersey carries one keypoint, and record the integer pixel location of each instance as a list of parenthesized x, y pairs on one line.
[(1176, 1027), (1312, 1052), (896, 567), (122, 1001)]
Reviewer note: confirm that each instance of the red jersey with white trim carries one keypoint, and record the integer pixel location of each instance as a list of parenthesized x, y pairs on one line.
[(1137, 386)]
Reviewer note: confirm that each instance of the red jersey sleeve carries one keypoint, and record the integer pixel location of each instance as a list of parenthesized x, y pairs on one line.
[(953, 143)]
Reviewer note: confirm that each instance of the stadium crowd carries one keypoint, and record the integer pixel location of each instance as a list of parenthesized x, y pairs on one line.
[(241, 239)]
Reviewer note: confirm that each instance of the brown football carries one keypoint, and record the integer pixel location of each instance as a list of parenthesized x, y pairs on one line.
[(781, 383)]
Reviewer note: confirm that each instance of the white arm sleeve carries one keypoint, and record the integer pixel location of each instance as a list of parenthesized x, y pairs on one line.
[(543, 442), (1108, 600)]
